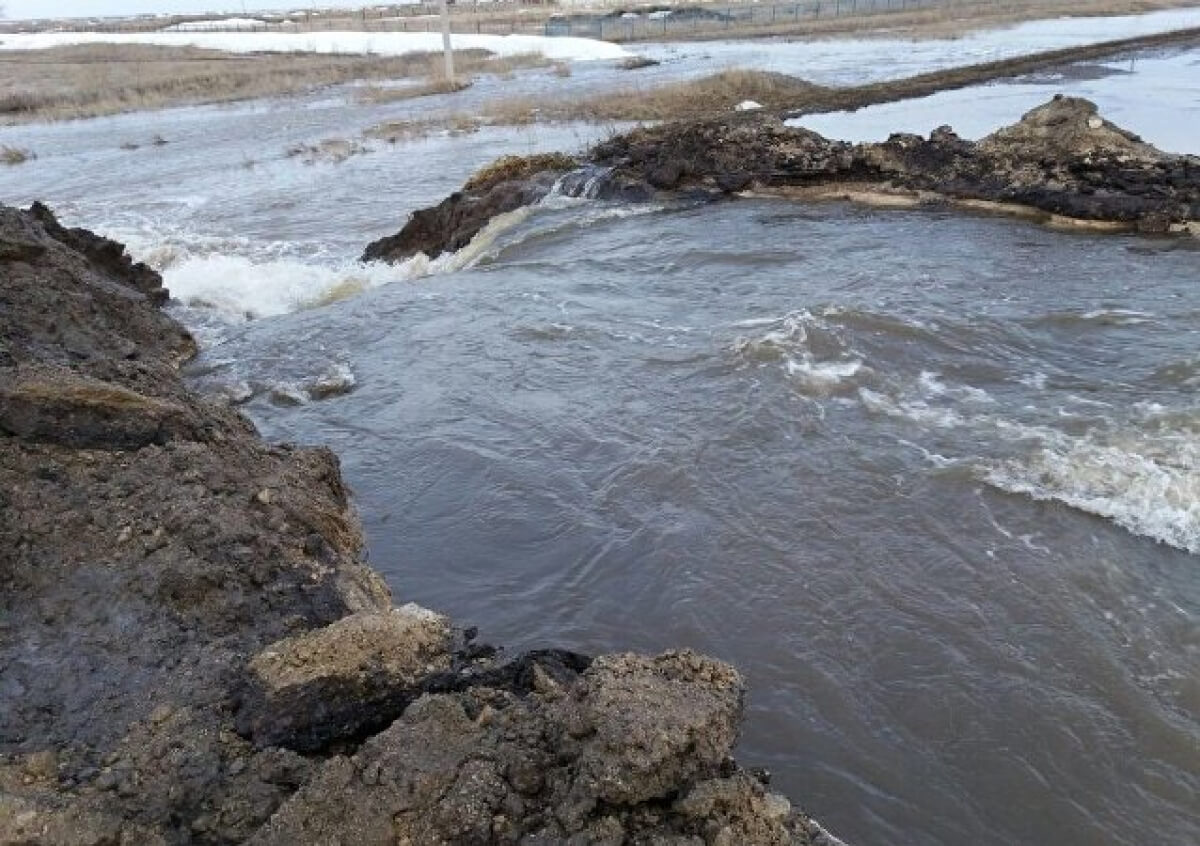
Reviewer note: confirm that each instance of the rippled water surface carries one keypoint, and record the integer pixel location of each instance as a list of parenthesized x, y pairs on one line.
[(931, 480)]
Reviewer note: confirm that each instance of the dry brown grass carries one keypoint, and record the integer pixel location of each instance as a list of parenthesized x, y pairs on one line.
[(638, 62), (971, 17), (465, 17), (507, 168), (778, 93), (719, 93), (466, 64), (15, 155), (399, 131), (503, 64), (395, 93), (87, 81), (951, 18), (944, 21), (676, 101), (331, 150)]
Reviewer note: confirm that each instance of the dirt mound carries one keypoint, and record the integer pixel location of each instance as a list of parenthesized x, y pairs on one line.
[(194, 651), (1066, 128), (1061, 159)]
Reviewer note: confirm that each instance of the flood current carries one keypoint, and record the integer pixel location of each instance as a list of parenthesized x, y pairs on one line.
[(931, 480)]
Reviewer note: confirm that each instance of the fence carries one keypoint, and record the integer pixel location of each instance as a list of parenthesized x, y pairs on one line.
[(527, 17), (532, 18), (684, 21)]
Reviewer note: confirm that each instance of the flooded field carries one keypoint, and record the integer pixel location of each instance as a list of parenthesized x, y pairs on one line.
[(931, 480)]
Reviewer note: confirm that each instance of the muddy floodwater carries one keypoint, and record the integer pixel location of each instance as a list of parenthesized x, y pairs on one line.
[(931, 480)]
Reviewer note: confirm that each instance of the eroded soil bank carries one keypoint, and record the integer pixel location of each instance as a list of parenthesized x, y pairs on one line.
[(194, 651), (1061, 163)]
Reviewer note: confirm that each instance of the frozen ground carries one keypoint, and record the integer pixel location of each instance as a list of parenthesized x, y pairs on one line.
[(1156, 96), (828, 61), (377, 43), (223, 205), (852, 62), (223, 24)]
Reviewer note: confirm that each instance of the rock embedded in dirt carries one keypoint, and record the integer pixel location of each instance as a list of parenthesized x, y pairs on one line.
[(635, 749), (1061, 158), (342, 681), (193, 650), (58, 406)]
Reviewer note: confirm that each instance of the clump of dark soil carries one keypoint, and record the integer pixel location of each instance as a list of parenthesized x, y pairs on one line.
[(1061, 160)]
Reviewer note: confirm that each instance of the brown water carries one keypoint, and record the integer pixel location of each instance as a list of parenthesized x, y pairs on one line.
[(930, 481)]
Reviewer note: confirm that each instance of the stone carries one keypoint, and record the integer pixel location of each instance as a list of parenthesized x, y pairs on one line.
[(344, 680), (656, 728), (59, 406)]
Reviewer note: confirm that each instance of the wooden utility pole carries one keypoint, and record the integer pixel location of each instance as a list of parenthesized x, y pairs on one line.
[(445, 9)]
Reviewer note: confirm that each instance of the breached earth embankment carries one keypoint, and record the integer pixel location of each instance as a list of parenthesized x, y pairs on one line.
[(1062, 163), (193, 650)]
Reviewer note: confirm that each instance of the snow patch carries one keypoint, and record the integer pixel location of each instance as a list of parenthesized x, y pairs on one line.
[(221, 25), (350, 43)]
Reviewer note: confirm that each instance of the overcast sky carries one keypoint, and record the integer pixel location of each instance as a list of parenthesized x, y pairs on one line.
[(88, 8)]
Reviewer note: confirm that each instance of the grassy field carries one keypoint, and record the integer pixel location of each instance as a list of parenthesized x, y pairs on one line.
[(677, 101), (94, 80), (716, 94), (951, 17), (927, 24), (954, 18), (101, 79)]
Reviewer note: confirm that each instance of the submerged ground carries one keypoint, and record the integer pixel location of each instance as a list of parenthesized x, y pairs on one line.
[(929, 479)]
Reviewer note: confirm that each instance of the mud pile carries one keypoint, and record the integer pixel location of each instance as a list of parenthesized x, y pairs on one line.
[(192, 650), (1061, 159)]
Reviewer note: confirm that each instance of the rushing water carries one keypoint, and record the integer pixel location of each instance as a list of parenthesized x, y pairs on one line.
[(931, 480)]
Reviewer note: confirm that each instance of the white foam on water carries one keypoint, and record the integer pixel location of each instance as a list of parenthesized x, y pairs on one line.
[(813, 352), (588, 210), (789, 334), (240, 287), (1146, 481), (1117, 316), (930, 385), (336, 379), (1141, 471), (287, 393), (916, 410), (1035, 380), (823, 377), (239, 279), (755, 322)]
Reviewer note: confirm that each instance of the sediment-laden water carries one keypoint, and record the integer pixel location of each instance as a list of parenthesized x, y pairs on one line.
[(931, 480)]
